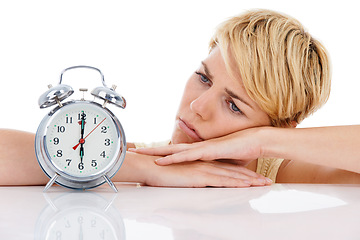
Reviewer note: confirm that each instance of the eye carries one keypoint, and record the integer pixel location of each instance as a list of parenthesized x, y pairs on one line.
[(233, 107), (203, 78)]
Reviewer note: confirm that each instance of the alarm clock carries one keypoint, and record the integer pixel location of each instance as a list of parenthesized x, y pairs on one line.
[(80, 144)]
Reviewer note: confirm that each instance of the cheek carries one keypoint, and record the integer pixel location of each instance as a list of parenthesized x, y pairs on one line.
[(227, 124), (224, 126)]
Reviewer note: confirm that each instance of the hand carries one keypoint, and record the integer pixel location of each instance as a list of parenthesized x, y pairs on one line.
[(190, 174), (82, 140), (243, 146)]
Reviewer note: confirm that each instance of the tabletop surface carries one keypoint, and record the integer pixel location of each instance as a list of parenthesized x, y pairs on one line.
[(280, 211)]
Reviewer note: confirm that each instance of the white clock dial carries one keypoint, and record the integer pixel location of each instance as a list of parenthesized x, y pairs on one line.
[(82, 139), (81, 224)]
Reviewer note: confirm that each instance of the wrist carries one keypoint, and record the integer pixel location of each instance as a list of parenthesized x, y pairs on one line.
[(269, 138), (135, 168)]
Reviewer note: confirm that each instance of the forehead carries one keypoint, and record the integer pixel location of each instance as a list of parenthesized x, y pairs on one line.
[(222, 72), (227, 77)]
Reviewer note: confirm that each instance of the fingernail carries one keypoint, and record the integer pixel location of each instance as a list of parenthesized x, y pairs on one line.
[(131, 149), (247, 182), (268, 180), (158, 161), (261, 181)]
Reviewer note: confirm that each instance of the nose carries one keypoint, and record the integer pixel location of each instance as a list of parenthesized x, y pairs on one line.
[(203, 105)]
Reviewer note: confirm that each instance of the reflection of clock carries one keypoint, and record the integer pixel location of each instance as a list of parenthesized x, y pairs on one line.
[(80, 144), (79, 215)]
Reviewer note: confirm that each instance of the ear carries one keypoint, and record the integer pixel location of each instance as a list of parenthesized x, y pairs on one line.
[(293, 124)]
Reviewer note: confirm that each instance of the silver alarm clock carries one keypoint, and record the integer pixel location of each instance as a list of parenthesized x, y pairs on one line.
[(80, 144)]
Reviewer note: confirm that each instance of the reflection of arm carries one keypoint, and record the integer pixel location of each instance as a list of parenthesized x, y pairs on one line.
[(325, 154)]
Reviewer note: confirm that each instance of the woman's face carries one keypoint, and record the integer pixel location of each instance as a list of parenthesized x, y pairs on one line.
[(214, 104)]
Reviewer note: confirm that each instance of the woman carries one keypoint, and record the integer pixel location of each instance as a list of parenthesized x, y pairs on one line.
[(263, 73), (284, 77)]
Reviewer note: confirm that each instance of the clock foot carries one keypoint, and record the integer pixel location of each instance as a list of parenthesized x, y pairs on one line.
[(51, 182), (111, 184)]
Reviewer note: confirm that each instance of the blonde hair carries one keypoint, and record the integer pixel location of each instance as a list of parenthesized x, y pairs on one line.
[(283, 69)]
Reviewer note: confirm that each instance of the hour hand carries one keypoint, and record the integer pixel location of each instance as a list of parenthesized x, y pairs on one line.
[(81, 152)]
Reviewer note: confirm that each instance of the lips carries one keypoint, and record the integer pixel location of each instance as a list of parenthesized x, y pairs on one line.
[(188, 130)]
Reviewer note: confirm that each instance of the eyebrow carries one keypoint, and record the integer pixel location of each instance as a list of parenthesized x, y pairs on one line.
[(207, 72), (233, 95)]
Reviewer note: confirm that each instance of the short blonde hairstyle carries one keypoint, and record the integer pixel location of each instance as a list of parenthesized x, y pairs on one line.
[(283, 69)]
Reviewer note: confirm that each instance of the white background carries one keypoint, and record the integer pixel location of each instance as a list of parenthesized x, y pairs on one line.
[(149, 49)]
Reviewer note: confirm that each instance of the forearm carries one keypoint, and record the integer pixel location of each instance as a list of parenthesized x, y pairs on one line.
[(336, 147), (18, 164)]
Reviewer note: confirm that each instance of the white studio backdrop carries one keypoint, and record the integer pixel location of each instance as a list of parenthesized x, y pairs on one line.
[(149, 49)]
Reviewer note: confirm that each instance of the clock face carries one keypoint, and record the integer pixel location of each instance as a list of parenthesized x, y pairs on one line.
[(81, 224), (79, 215), (82, 139)]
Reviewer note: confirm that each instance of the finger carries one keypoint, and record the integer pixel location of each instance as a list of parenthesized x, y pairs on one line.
[(161, 151), (237, 172), (184, 156), (236, 167), (226, 181), (256, 178)]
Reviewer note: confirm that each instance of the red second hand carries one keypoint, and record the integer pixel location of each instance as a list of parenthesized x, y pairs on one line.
[(83, 140)]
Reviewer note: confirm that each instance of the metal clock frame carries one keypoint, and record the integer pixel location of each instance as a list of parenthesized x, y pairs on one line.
[(54, 96)]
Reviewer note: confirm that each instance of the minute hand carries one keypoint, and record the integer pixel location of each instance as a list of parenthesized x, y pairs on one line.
[(75, 147)]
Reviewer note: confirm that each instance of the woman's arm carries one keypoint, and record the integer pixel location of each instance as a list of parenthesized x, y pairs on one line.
[(18, 166), (334, 147), (326, 154), (142, 168), (318, 155)]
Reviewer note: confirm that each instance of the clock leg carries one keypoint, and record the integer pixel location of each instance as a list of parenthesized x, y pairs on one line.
[(111, 184), (51, 182)]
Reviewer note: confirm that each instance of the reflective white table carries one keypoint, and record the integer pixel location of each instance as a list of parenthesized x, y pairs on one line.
[(280, 211)]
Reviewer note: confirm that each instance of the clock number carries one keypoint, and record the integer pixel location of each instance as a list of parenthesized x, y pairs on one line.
[(82, 116), (103, 129), (102, 154), (95, 120), (61, 129), (67, 224), (93, 223), (68, 120), (93, 163), (102, 234), (59, 153), (107, 142), (81, 166), (68, 161), (58, 235), (56, 141)]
